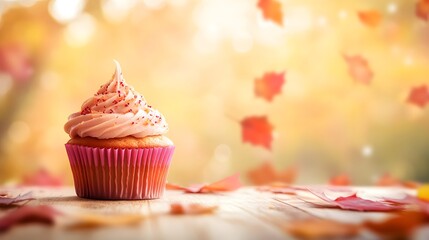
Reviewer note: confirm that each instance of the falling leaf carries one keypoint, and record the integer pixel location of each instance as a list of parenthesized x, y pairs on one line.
[(28, 214), (257, 131), (355, 203), (192, 209), (399, 226), (419, 96), (87, 220), (15, 61), (271, 10), (422, 9), (267, 174), (269, 85), (230, 183), (359, 69), (370, 18), (320, 229), (423, 192), (340, 180), (6, 200), (42, 178)]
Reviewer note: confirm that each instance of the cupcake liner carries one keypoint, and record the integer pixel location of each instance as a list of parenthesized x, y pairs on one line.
[(124, 173)]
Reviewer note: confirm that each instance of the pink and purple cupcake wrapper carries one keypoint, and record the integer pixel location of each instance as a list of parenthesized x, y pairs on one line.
[(124, 173)]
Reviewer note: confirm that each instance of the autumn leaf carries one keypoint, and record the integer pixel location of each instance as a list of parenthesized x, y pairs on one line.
[(423, 192), (340, 180), (230, 183), (355, 203), (15, 61), (320, 229), (387, 180), (42, 178), (257, 131), (271, 10), (6, 200), (422, 9), (419, 96), (191, 209), (370, 18), (89, 220), (267, 174), (359, 69), (269, 85), (28, 214), (399, 226)]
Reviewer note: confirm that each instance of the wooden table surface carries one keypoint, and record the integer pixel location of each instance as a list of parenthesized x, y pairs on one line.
[(243, 214)]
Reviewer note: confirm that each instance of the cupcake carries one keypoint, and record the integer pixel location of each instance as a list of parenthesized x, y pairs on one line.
[(117, 148)]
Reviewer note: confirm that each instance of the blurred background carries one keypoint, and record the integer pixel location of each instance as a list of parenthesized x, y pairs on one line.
[(196, 62)]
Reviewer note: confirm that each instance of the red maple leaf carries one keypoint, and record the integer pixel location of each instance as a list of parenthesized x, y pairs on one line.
[(340, 180), (422, 9), (359, 69), (42, 178), (271, 10), (257, 131), (370, 18), (269, 85), (15, 61), (355, 203), (419, 96), (267, 174), (28, 214)]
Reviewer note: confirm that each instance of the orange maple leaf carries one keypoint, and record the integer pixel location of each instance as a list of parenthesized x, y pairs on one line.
[(359, 69), (267, 174), (422, 9), (271, 10), (340, 180), (320, 229), (257, 131), (419, 96), (191, 209), (269, 85), (370, 18)]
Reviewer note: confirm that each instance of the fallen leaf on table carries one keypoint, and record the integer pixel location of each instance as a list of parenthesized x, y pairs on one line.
[(422, 9), (400, 226), (355, 203), (6, 200), (267, 174), (370, 18), (320, 229), (340, 180), (87, 220), (42, 178), (423, 192), (269, 85), (271, 10), (192, 209), (28, 214), (419, 96), (359, 69), (230, 183), (387, 180), (257, 131)]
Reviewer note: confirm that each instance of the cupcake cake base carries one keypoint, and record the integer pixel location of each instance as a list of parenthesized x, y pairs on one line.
[(119, 173)]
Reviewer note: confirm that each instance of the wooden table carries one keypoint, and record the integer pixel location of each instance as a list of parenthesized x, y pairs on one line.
[(243, 214)]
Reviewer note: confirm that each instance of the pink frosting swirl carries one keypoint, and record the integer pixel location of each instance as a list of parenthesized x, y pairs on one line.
[(115, 111)]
